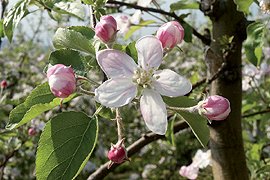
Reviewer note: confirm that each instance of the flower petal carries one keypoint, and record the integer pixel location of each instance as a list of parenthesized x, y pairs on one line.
[(150, 52), (169, 83), (154, 111), (116, 63), (116, 92)]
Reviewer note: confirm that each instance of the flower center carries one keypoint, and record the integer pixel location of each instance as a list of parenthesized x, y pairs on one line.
[(142, 77)]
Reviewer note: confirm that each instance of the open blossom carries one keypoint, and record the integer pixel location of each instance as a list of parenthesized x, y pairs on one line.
[(106, 29), (62, 80), (265, 6), (200, 160), (126, 79), (215, 107), (170, 34)]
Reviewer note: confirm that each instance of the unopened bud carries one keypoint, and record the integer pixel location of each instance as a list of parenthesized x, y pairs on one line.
[(106, 29), (62, 80), (215, 107), (3, 84), (117, 153), (170, 34), (32, 131)]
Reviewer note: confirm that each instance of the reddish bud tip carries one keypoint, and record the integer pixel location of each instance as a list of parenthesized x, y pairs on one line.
[(117, 154), (3, 84), (32, 131)]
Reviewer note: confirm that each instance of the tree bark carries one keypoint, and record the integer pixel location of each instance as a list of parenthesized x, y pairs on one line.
[(226, 143)]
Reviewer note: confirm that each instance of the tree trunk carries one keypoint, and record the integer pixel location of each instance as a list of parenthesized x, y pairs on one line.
[(226, 143)]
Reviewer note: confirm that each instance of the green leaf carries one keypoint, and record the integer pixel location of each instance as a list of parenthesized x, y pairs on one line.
[(40, 100), (137, 27), (105, 112), (85, 31), (181, 101), (67, 38), (254, 42), (263, 169), (71, 8), (89, 2), (197, 123), (184, 4), (188, 32), (69, 57), (132, 51), (65, 145), (243, 5), (170, 133), (14, 16), (1, 29)]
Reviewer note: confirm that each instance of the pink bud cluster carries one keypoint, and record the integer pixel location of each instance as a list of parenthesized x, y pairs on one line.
[(215, 107), (170, 34), (62, 80), (117, 153), (106, 29)]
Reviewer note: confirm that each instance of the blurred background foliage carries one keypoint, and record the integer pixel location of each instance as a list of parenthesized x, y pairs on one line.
[(22, 64)]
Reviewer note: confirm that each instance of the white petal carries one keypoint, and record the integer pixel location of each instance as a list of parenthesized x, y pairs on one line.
[(150, 52), (169, 83), (116, 63), (154, 111), (116, 92)]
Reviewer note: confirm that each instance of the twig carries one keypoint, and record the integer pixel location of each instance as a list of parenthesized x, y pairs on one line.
[(204, 39), (103, 171), (93, 20), (256, 113), (119, 124)]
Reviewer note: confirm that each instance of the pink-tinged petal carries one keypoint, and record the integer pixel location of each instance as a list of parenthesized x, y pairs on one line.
[(116, 92), (154, 111), (169, 83), (150, 52), (116, 63)]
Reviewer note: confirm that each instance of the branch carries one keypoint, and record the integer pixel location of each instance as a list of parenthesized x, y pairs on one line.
[(256, 113), (204, 39), (146, 139)]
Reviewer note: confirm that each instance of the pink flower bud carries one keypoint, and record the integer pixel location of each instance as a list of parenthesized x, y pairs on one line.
[(3, 84), (106, 29), (170, 34), (62, 80), (32, 131), (117, 153), (215, 107)]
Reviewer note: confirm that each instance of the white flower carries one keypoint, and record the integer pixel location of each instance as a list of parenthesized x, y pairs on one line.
[(200, 160), (265, 6), (126, 79)]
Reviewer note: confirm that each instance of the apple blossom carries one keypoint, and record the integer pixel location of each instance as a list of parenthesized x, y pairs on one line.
[(126, 79), (200, 160), (62, 80), (170, 34), (265, 6), (215, 107), (117, 153), (106, 29), (190, 172)]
